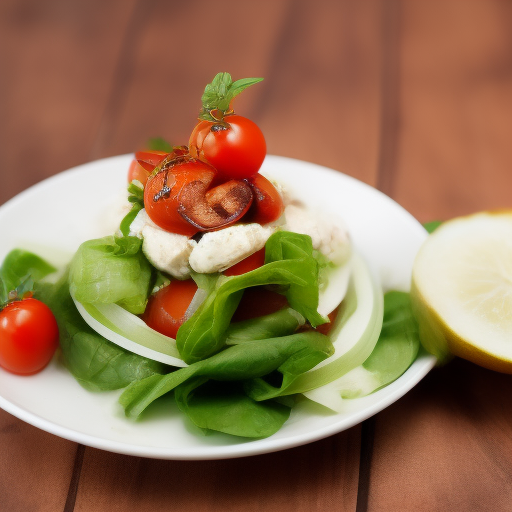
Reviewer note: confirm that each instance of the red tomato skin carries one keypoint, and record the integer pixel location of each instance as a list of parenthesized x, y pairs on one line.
[(150, 156), (139, 171), (143, 164), (164, 212), (237, 152), (252, 262), (267, 205), (166, 309), (29, 336)]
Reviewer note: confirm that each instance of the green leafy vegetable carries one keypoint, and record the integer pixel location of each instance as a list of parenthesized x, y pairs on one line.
[(432, 226), (159, 144), (18, 266), (290, 355), (213, 405), (288, 262), (111, 270), (220, 92), (395, 351), (136, 197), (281, 323), (95, 362)]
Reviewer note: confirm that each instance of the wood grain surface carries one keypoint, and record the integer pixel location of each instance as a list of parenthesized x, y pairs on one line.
[(412, 97)]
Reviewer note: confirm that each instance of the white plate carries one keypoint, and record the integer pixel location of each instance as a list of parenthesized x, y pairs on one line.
[(55, 216)]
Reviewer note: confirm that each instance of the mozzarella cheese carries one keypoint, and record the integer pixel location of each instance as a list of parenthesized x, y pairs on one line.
[(219, 250), (168, 252), (331, 239)]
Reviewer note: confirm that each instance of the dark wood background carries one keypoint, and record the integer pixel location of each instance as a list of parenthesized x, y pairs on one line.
[(413, 97)]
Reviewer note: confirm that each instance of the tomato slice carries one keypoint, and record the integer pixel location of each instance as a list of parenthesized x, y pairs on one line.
[(151, 157), (252, 262), (166, 309), (267, 205), (162, 194), (139, 171), (258, 301)]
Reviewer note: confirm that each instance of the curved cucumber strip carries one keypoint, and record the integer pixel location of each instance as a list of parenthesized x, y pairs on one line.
[(355, 334), (128, 331)]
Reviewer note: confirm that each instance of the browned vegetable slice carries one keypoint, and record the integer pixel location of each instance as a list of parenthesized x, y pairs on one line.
[(215, 208)]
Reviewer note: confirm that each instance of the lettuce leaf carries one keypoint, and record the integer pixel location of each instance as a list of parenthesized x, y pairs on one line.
[(289, 263), (96, 363), (111, 270)]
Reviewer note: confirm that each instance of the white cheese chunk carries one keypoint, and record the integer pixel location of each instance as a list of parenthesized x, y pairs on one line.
[(219, 250), (168, 252), (328, 237)]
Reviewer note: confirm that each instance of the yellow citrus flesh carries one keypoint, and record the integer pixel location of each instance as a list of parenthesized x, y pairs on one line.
[(462, 290)]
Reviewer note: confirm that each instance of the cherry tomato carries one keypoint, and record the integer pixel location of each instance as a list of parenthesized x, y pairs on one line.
[(139, 171), (258, 301), (235, 147), (162, 191), (29, 336), (267, 205), (166, 309), (252, 262), (326, 328), (150, 156), (143, 164)]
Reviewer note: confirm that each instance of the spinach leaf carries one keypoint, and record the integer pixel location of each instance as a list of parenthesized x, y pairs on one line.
[(222, 407), (19, 265), (289, 262), (399, 341), (289, 355)]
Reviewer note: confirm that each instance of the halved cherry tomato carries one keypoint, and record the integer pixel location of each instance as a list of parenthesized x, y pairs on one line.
[(29, 336), (150, 156), (139, 171), (143, 164), (166, 309), (162, 194), (252, 262), (216, 208), (235, 146), (258, 301), (326, 328), (267, 205)]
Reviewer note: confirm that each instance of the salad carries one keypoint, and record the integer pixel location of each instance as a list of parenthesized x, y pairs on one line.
[(220, 288)]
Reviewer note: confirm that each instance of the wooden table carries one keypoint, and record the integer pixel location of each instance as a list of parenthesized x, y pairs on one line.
[(413, 97)]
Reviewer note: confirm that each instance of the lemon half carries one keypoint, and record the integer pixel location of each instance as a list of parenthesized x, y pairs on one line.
[(462, 290)]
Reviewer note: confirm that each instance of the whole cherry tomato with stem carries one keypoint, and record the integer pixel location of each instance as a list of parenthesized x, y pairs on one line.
[(233, 144)]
